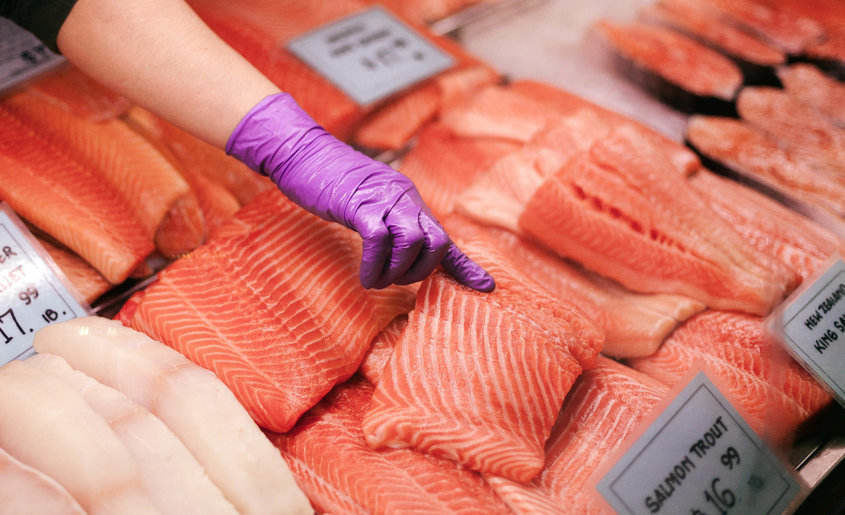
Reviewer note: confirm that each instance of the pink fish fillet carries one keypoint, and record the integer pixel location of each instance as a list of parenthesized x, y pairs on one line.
[(772, 391), (331, 462), (605, 406), (382, 348), (809, 85), (276, 288), (24, 489), (478, 378)]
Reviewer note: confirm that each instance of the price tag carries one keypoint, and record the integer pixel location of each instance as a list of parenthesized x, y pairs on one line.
[(33, 292), (22, 55), (370, 55), (699, 458), (813, 329)]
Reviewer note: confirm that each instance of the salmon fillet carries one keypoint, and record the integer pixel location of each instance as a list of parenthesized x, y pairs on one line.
[(809, 85), (331, 462), (736, 145), (772, 392), (147, 182), (675, 58), (798, 242), (796, 127), (80, 94), (478, 378), (26, 490), (277, 287), (382, 348), (422, 11), (443, 165), (89, 283), (603, 409), (66, 200), (705, 24)]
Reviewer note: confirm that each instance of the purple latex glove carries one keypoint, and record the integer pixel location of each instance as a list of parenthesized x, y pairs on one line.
[(403, 242)]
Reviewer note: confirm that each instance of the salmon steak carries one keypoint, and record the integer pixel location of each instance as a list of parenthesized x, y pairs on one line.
[(479, 378), (677, 69), (798, 242), (333, 465), (767, 387), (622, 211), (276, 288), (68, 201), (602, 411), (735, 145), (809, 85)]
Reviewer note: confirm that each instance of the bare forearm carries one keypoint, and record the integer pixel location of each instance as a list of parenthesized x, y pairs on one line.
[(159, 54)]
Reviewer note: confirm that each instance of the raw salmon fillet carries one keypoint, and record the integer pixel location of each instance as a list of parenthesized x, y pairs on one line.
[(196, 157), (809, 85), (634, 324), (738, 146), (80, 94), (798, 242), (676, 58), (277, 288), (147, 182), (331, 462), (26, 490), (422, 11), (478, 378), (65, 439), (704, 24), (382, 348), (393, 125), (769, 389), (89, 283), (68, 201), (190, 400), (771, 23), (603, 409), (442, 165), (795, 126)]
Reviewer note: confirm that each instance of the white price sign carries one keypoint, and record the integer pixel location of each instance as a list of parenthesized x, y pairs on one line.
[(33, 293), (22, 55), (370, 55), (813, 329), (699, 458)]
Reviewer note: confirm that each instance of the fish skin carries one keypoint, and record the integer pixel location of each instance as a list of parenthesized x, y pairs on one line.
[(89, 283), (24, 489), (604, 408), (172, 477), (680, 60), (382, 348), (611, 190), (743, 148), (68, 201), (809, 85), (473, 409), (241, 307), (772, 392), (442, 165), (354, 480), (145, 180), (703, 23), (190, 400), (80, 94), (796, 241), (97, 470)]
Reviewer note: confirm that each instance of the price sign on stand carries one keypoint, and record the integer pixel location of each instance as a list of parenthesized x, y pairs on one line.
[(370, 55), (813, 328), (699, 458), (33, 292), (22, 55)]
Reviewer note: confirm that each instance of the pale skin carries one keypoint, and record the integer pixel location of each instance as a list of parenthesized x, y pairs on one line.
[(160, 55)]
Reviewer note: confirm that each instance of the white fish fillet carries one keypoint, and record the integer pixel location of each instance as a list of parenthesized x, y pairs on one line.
[(47, 425), (191, 401), (24, 489), (175, 481)]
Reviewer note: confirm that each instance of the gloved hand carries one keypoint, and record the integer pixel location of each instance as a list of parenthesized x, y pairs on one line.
[(403, 242)]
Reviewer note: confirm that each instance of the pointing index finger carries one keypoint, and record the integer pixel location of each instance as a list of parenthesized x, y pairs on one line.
[(467, 271)]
